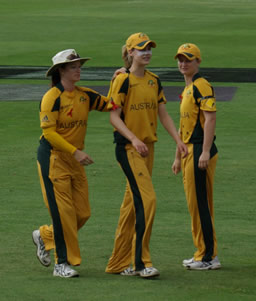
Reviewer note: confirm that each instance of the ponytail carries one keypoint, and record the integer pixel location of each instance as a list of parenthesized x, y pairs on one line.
[(126, 57)]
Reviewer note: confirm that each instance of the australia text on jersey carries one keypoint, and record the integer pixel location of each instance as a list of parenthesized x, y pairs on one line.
[(72, 124), (184, 115), (143, 106)]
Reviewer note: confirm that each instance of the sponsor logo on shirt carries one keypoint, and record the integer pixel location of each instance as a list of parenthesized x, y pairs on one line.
[(133, 85), (70, 112), (62, 108)]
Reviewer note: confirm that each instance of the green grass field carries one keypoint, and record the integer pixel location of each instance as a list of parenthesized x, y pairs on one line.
[(22, 210), (31, 33)]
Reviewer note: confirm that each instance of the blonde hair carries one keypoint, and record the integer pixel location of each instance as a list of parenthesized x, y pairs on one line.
[(126, 57)]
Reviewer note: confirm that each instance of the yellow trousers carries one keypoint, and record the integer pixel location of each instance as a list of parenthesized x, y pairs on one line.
[(137, 211), (65, 190), (198, 186)]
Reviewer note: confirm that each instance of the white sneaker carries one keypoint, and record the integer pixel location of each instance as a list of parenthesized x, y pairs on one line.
[(64, 270), (149, 272), (205, 265), (129, 272), (187, 261), (42, 255)]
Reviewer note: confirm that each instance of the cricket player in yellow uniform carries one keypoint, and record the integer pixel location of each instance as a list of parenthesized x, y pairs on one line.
[(64, 113), (137, 99), (197, 131)]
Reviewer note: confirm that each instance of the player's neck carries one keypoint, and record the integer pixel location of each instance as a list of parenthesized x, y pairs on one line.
[(68, 85), (137, 70), (188, 80), (188, 77)]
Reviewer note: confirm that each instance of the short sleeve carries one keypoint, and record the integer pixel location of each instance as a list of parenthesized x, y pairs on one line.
[(118, 91), (207, 97)]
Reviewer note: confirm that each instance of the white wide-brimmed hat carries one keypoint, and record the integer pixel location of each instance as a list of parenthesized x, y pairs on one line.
[(64, 57)]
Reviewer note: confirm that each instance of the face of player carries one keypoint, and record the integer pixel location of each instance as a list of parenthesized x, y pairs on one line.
[(71, 72), (188, 68), (142, 57)]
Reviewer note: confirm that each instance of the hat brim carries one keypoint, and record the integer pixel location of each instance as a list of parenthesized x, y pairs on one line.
[(189, 56), (56, 66), (143, 44)]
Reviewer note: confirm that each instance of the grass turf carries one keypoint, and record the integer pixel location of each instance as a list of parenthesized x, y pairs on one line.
[(32, 31), (22, 210)]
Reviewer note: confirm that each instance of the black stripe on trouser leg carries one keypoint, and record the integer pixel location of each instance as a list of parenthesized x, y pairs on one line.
[(122, 158), (43, 157), (202, 202)]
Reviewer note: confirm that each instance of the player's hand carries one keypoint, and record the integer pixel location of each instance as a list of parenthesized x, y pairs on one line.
[(182, 148), (82, 158), (118, 71), (176, 166), (204, 160), (140, 147)]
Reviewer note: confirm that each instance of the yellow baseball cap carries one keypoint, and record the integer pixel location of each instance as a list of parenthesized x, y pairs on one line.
[(139, 41), (190, 51)]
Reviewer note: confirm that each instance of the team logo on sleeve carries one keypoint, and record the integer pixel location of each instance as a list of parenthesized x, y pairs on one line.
[(210, 103), (45, 119)]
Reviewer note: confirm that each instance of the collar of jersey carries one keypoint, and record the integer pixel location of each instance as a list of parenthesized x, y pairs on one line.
[(196, 76)]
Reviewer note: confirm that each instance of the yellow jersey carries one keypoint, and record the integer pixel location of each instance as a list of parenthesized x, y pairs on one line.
[(67, 113), (138, 97), (196, 98)]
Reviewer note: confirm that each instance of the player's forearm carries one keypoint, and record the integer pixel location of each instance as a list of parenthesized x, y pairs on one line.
[(177, 154), (209, 132), (120, 126), (58, 142)]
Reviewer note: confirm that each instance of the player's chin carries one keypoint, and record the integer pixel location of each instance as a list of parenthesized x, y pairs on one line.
[(146, 61), (184, 72), (77, 77)]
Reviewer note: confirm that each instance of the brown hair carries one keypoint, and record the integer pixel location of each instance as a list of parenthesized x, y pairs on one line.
[(126, 57), (55, 77)]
